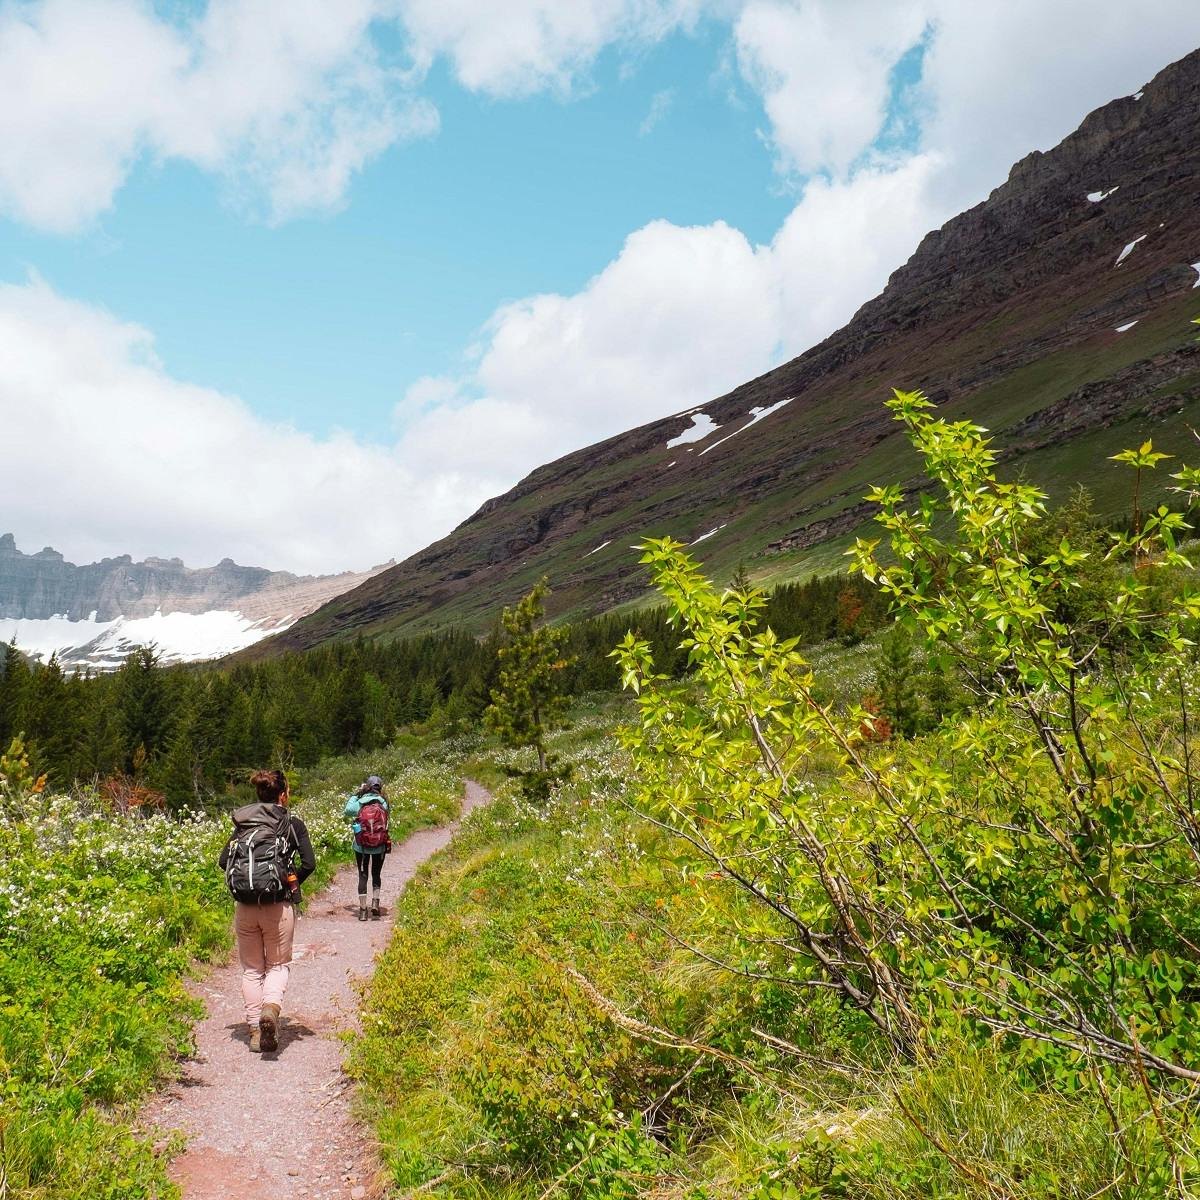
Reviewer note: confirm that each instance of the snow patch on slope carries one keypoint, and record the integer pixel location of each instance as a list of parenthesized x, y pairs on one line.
[(1127, 326), (179, 636), (702, 426), (756, 414), (705, 536), (1128, 250), (1196, 268), (1096, 197)]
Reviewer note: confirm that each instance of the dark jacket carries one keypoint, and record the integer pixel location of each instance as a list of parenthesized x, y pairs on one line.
[(302, 843)]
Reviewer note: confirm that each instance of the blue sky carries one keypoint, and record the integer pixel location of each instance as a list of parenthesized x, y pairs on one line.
[(259, 260), (326, 320)]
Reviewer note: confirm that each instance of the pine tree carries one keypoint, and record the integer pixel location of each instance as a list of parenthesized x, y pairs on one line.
[(15, 686), (897, 680), (182, 771), (49, 725), (528, 703), (348, 708), (142, 703), (236, 748), (101, 746)]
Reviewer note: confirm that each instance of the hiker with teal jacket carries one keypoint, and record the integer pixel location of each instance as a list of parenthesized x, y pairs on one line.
[(367, 810)]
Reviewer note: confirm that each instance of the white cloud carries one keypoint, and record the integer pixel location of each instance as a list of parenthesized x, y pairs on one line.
[(286, 101), (118, 457), (823, 70), (679, 317), (999, 78), (72, 117), (1003, 78), (660, 104), (528, 46), (841, 242), (680, 313)]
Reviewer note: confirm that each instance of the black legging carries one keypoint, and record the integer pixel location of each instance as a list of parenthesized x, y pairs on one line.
[(375, 863)]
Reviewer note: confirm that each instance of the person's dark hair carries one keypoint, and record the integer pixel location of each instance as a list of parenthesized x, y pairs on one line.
[(270, 785), (372, 784)]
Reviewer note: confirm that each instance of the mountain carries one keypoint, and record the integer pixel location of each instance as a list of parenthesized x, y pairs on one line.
[(1056, 313), (94, 615)]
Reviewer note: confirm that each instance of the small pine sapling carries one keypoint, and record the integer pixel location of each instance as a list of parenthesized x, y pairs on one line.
[(528, 703)]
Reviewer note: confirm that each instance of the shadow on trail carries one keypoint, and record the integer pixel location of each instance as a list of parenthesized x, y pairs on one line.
[(290, 1032), (352, 910)]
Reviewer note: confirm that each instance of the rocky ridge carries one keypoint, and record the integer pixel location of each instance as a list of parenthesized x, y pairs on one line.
[(94, 614), (1056, 312)]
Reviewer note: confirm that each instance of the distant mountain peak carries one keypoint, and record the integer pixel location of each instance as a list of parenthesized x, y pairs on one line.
[(96, 613)]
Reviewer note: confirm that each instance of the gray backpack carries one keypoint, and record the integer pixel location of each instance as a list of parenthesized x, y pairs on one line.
[(260, 852)]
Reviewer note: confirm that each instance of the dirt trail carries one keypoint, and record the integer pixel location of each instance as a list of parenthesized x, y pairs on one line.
[(263, 1127)]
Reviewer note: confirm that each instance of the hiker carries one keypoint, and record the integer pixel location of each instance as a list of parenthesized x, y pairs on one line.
[(262, 878), (367, 809)]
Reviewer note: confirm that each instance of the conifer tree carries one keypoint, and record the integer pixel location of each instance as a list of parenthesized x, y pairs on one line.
[(182, 772), (378, 720), (236, 748), (528, 703), (49, 727), (15, 685), (142, 702), (101, 747), (897, 678)]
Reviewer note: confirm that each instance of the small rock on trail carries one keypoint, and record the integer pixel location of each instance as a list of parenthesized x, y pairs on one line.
[(260, 1127)]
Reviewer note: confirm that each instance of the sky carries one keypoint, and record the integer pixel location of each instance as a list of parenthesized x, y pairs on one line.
[(304, 283)]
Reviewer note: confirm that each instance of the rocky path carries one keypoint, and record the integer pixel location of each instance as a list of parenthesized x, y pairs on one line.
[(262, 1127)]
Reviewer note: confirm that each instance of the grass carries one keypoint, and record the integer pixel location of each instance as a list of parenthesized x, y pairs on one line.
[(422, 790), (102, 918), (486, 1066)]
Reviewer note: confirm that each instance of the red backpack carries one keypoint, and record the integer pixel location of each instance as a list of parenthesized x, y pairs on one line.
[(372, 825)]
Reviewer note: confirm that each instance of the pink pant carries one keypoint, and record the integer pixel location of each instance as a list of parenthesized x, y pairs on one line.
[(264, 938)]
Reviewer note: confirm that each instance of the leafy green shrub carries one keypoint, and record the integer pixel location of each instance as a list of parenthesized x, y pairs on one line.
[(1026, 873)]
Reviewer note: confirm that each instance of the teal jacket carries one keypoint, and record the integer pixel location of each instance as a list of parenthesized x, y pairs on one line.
[(353, 804)]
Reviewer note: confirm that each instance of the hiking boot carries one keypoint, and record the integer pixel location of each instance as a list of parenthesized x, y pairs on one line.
[(362, 912), (374, 910), (255, 1040), (268, 1027)]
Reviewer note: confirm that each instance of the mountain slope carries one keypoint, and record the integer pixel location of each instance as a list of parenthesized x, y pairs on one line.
[(1056, 313), (94, 615)]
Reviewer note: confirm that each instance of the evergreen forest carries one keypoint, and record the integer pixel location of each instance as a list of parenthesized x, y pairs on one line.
[(191, 735)]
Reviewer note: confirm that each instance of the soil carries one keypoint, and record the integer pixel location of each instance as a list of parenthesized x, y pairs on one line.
[(263, 1126)]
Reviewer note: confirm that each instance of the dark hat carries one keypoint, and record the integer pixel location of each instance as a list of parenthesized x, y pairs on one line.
[(373, 783)]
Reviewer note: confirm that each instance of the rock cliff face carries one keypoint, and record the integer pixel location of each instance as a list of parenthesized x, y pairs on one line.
[(45, 585), (1057, 313), (94, 614)]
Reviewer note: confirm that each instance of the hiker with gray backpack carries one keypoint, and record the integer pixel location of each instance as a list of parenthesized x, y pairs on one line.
[(265, 882), (367, 810)]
